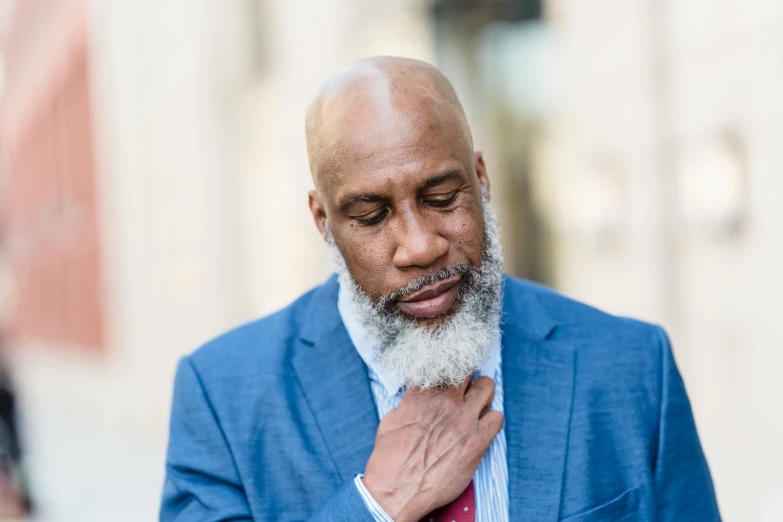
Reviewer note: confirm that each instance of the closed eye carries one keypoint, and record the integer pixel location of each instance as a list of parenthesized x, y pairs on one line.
[(371, 218), (440, 200)]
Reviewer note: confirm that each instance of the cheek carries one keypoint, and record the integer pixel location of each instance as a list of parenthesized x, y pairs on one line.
[(369, 260), (464, 229)]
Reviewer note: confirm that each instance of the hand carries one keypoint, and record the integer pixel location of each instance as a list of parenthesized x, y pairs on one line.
[(427, 449)]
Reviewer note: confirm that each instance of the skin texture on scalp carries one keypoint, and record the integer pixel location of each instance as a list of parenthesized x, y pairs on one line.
[(395, 173), (412, 92)]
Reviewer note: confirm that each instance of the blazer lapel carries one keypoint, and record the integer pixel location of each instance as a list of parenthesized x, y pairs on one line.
[(334, 380), (538, 382)]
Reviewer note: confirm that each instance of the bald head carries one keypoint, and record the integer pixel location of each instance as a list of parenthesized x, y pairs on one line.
[(378, 101)]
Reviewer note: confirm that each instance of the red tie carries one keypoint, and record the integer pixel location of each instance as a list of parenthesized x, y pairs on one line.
[(463, 509)]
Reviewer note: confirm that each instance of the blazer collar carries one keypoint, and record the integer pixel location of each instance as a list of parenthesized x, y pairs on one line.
[(523, 308)]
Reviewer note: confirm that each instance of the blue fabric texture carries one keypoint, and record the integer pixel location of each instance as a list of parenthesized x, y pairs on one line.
[(273, 420)]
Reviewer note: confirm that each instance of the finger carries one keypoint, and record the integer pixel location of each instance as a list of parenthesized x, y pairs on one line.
[(454, 392), (463, 388), (480, 393), (490, 425), (413, 392)]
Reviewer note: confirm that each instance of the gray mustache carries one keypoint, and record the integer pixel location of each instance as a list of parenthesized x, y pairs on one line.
[(428, 279)]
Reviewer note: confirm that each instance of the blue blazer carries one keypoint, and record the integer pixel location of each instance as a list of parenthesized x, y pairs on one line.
[(272, 421)]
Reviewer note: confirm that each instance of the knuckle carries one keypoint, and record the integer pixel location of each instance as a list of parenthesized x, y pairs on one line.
[(496, 420), (476, 389), (485, 385), (486, 381)]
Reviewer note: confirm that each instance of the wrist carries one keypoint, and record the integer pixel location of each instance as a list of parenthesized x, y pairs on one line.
[(394, 502)]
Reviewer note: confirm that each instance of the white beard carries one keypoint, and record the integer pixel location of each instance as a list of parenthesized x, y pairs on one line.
[(435, 356)]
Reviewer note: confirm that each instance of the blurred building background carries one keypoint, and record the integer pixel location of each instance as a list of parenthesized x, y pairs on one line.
[(154, 177)]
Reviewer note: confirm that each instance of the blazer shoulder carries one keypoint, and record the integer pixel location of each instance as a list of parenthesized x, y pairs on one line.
[(615, 356), (578, 320), (619, 361)]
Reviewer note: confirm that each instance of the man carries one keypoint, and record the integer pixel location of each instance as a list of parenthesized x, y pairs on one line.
[(498, 399)]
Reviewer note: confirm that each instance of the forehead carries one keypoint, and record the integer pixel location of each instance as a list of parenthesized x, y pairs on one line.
[(386, 148)]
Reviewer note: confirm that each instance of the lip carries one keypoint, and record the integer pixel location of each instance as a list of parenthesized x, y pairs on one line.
[(432, 300)]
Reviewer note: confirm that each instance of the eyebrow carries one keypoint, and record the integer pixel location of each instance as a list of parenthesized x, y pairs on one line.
[(449, 175), (360, 198)]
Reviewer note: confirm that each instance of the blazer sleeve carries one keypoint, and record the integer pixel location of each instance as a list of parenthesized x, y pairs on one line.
[(683, 486), (202, 481)]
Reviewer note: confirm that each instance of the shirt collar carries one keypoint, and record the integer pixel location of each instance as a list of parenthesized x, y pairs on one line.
[(366, 345)]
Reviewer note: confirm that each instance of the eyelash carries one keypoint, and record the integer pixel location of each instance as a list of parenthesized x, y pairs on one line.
[(379, 217), (440, 203), (373, 220)]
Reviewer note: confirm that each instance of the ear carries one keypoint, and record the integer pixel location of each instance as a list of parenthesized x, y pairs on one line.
[(481, 171), (319, 213)]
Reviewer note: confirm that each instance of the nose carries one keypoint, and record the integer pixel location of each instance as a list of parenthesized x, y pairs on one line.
[(419, 245)]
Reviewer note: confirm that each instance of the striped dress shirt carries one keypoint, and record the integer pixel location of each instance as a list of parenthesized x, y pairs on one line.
[(491, 478)]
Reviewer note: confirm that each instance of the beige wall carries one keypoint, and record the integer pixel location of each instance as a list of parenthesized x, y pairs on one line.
[(205, 221), (203, 191)]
